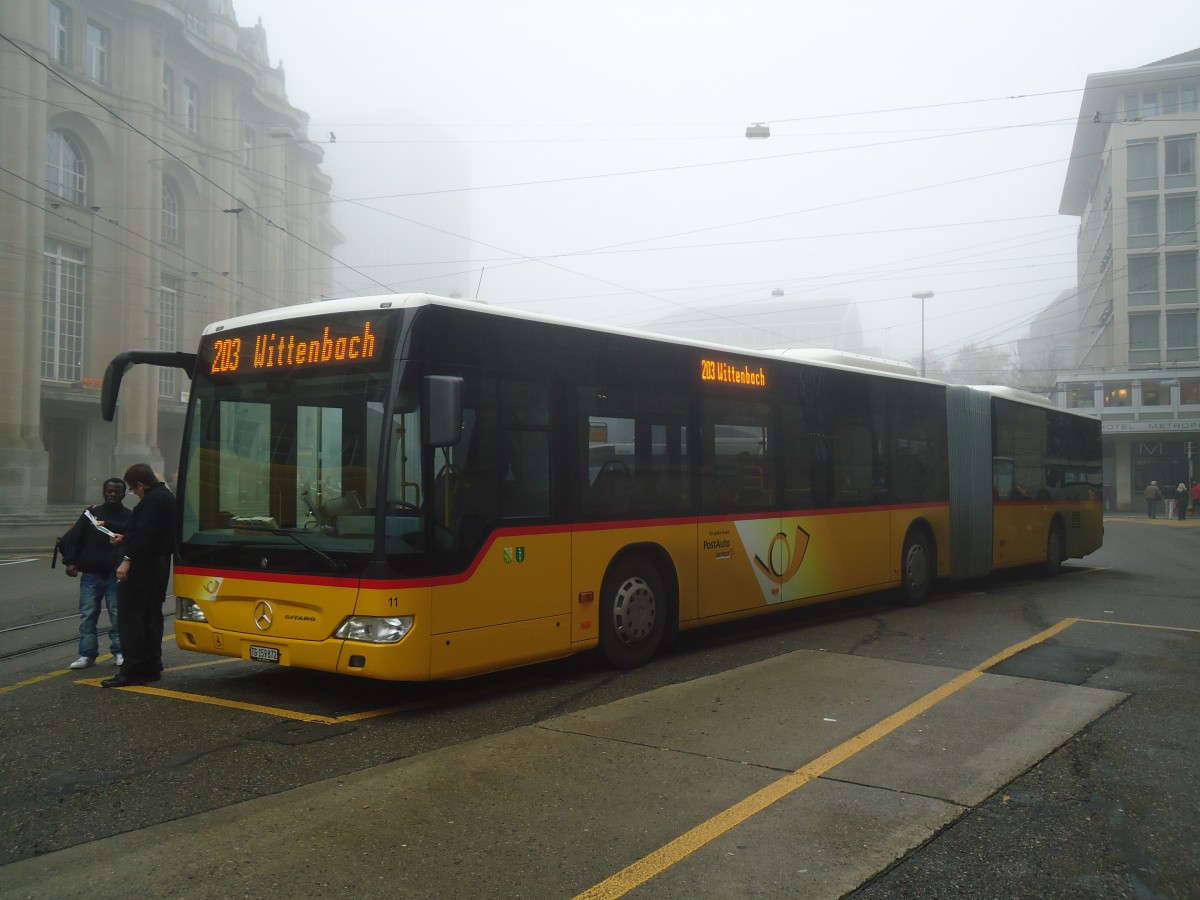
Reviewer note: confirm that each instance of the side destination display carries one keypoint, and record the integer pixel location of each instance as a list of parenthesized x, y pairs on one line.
[(726, 372)]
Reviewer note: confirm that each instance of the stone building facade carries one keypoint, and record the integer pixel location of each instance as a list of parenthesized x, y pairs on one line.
[(153, 178)]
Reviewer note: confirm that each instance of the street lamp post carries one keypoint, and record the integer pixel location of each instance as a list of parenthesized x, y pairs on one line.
[(922, 296)]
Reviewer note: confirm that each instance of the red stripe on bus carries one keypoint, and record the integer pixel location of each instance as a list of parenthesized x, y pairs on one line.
[(503, 533)]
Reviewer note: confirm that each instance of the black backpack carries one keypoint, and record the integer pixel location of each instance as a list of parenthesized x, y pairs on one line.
[(61, 542)]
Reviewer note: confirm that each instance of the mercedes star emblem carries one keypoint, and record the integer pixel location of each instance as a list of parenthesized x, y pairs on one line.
[(263, 615)]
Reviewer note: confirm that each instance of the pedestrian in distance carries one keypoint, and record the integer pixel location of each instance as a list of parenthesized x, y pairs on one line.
[(1181, 500), (142, 577), (1153, 495), (1195, 497), (88, 554), (1168, 493)]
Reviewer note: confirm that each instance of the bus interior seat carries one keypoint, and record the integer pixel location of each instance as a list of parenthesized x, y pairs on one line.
[(612, 489)]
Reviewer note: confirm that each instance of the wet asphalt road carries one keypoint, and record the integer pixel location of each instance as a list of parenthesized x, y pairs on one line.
[(1114, 811)]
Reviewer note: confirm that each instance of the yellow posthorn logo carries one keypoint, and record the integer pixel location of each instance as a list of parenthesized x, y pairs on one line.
[(789, 558)]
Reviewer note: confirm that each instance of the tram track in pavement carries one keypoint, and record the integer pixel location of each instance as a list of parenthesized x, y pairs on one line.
[(15, 632), (40, 606), (45, 634), (42, 628)]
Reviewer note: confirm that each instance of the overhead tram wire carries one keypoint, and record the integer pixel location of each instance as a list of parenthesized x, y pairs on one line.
[(521, 258), (1161, 246), (64, 214), (683, 167), (271, 223), (778, 121), (524, 258)]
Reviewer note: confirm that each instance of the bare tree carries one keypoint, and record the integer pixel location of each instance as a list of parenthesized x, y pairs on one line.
[(981, 364)]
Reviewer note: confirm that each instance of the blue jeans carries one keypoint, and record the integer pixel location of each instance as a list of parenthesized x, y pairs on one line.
[(93, 589)]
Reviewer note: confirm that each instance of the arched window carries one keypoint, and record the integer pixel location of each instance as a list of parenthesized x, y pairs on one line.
[(170, 213), (66, 171)]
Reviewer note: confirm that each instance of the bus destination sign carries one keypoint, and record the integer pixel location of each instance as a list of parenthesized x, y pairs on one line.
[(732, 373), (319, 345)]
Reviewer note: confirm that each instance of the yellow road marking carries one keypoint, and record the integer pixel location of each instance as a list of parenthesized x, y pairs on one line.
[(28, 681), (281, 712), (4, 689), (1141, 625), (660, 860), (215, 701)]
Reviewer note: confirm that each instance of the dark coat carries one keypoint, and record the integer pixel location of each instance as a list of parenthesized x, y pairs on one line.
[(149, 537), (89, 550)]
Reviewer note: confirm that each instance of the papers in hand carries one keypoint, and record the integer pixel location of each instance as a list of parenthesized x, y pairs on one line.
[(96, 523)]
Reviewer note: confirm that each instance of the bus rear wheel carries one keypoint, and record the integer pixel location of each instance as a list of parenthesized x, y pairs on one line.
[(918, 566), (1054, 552), (633, 613)]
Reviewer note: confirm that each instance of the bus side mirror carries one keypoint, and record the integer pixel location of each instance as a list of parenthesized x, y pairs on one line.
[(111, 387), (443, 402)]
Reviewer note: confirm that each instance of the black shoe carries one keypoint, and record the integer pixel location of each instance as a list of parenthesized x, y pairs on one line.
[(120, 680)]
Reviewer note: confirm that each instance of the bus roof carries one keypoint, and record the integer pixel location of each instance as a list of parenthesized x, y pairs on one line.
[(850, 360), (823, 358), (1021, 396)]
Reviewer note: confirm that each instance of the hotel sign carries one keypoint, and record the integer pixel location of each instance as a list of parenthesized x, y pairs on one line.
[(1150, 427)]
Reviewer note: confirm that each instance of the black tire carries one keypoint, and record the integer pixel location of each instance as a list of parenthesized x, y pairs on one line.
[(918, 568), (1055, 550), (633, 613)]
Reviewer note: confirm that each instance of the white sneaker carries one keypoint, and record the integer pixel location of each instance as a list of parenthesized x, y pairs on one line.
[(83, 662), (118, 659)]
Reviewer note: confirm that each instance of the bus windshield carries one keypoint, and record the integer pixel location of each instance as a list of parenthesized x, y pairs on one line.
[(287, 442), (272, 457)]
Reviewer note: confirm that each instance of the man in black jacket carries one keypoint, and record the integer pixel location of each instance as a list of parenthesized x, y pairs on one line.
[(142, 577), (88, 552)]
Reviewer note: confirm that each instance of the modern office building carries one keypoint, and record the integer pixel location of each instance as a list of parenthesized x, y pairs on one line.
[(1132, 181), (153, 177)]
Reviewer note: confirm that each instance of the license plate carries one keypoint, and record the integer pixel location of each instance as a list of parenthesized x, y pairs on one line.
[(264, 654)]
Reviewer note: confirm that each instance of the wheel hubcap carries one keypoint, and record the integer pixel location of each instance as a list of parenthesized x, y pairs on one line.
[(634, 611), (917, 566)]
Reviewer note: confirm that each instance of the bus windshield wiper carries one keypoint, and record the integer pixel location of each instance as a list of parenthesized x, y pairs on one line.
[(334, 564)]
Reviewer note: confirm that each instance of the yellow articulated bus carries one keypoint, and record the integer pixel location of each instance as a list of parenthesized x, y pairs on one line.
[(409, 487)]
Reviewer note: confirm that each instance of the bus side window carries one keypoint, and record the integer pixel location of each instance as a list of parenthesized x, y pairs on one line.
[(469, 487), (637, 460), (524, 448), (740, 472)]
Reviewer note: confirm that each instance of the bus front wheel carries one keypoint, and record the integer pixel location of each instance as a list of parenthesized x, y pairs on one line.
[(918, 566), (634, 613)]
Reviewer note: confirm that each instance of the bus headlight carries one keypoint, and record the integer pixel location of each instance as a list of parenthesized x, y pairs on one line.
[(375, 629), (189, 610)]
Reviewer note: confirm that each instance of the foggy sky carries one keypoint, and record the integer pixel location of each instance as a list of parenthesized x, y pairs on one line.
[(587, 159)]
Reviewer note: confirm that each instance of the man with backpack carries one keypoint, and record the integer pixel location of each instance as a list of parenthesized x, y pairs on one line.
[(89, 553)]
